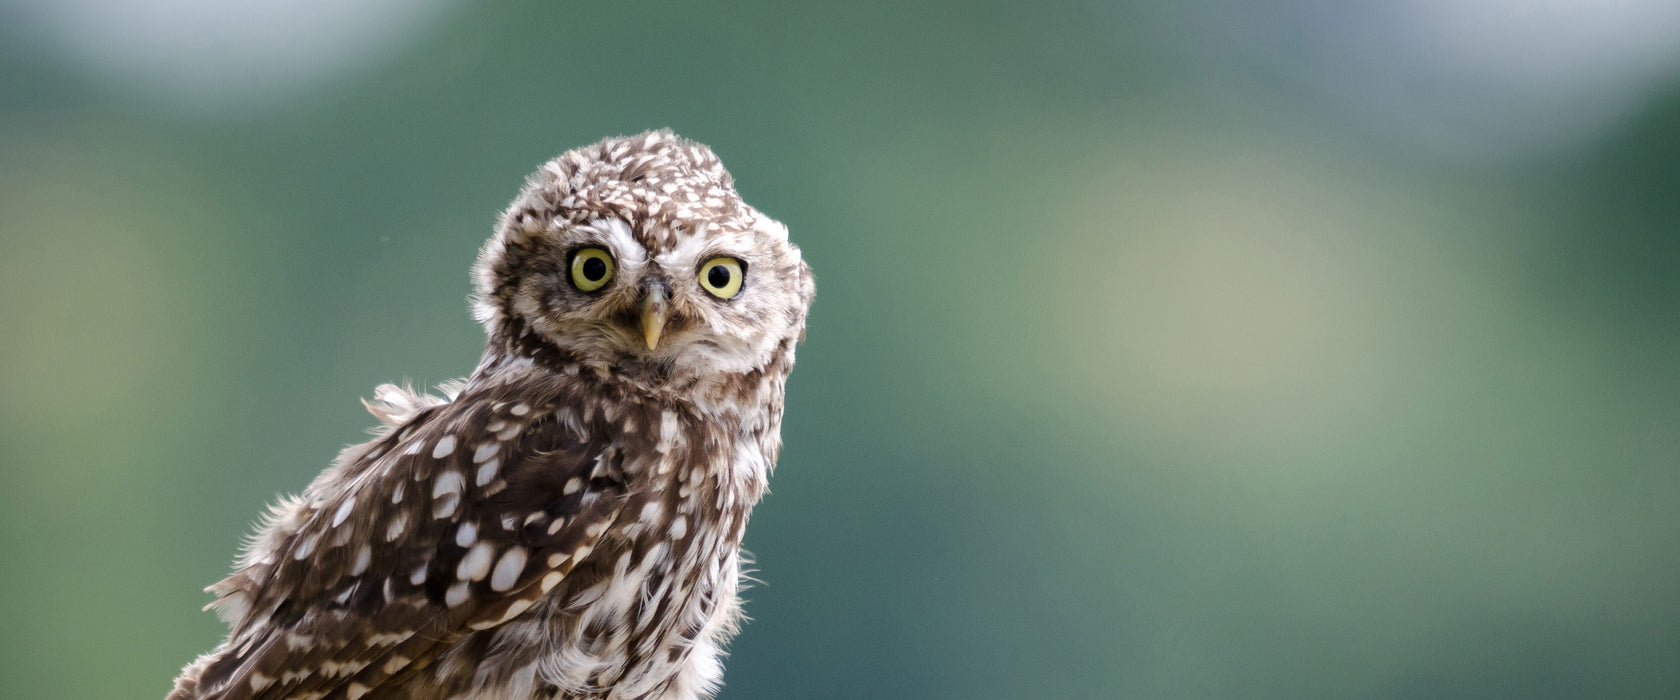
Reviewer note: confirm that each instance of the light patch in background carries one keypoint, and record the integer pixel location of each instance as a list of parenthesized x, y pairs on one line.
[(91, 308), (121, 292), (97, 305), (1458, 80), (1248, 291), (207, 56)]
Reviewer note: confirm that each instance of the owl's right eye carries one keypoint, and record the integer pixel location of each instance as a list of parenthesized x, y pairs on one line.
[(592, 269)]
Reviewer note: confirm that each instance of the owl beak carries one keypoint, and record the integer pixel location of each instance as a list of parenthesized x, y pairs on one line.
[(654, 311)]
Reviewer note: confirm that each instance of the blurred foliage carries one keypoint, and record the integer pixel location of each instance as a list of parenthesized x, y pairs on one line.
[(1130, 375)]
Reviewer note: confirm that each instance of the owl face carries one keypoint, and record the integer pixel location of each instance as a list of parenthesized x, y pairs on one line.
[(637, 253)]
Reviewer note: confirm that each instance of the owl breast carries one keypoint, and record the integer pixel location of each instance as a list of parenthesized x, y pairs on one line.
[(645, 614)]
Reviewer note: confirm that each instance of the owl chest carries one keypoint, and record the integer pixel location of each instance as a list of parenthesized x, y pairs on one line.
[(662, 583)]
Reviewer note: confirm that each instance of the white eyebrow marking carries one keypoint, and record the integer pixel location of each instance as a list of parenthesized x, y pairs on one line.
[(686, 254), (615, 233)]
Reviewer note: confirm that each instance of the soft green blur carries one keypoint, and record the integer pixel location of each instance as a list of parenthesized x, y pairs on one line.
[(1149, 358)]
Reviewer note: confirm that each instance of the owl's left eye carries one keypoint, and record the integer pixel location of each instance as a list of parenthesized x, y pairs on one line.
[(721, 276)]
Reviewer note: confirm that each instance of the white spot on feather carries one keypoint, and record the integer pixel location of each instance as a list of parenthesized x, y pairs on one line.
[(344, 511), (449, 482), (385, 639), (572, 486), (667, 431), (304, 548), (485, 451), (456, 595), (513, 611), (476, 564), (444, 447), (465, 536), (394, 529), (487, 472), (508, 569), (364, 556), (655, 558), (445, 507)]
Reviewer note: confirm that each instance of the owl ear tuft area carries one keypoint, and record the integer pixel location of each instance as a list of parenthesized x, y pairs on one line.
[(523, 220), (775, 230), (516, 225)]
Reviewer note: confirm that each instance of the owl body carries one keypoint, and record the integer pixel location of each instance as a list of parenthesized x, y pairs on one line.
[(566, 522)]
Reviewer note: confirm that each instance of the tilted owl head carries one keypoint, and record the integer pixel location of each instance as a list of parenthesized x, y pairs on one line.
[(637, 253)]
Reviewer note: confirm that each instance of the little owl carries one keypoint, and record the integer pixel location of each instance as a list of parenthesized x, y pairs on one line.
[(567, 522)]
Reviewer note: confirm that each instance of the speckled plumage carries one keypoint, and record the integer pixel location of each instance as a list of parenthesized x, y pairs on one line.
[(566, 522)]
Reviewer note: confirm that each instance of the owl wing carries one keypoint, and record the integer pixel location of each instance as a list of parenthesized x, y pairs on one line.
[(458, 521)]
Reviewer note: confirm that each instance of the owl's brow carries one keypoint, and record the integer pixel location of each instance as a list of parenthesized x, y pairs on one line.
[(614, 234), (699, 247)]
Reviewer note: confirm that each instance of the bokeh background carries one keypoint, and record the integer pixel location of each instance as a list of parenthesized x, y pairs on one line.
[(1161, 350)]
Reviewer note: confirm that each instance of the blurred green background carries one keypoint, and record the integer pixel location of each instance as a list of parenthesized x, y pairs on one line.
[(1227, 350)]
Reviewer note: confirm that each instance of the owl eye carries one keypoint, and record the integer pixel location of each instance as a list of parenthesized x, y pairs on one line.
[(592, 268), (722, 277)]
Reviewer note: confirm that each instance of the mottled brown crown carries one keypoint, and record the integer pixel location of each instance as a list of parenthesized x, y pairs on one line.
[(663, 184)]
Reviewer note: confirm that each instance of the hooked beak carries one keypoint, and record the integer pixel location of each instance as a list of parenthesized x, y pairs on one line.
[(654, 311)]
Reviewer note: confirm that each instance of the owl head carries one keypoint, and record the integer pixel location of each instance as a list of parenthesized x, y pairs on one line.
[(636, 253)]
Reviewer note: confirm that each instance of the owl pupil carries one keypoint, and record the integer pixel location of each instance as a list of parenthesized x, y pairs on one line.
[(594, 269), (718, 276)]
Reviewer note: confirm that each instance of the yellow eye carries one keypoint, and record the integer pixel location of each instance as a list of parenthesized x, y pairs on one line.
[(592, 269), (722, 277)]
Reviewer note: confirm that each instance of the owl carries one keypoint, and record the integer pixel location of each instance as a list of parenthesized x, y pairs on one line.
[(566, 522)]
